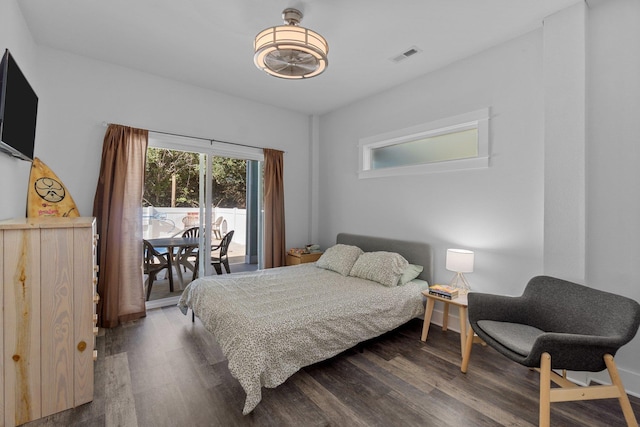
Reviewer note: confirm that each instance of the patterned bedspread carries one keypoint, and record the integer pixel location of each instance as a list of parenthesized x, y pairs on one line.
[(271, 323)]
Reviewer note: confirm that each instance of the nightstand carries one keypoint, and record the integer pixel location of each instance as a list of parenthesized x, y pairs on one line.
[(295, 259), (460, 302)]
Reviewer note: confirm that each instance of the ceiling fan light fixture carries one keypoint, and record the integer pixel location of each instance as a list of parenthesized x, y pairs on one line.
[(290, 51)]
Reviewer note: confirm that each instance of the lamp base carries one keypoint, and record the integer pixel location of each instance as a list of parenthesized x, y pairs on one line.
[(460, 282)]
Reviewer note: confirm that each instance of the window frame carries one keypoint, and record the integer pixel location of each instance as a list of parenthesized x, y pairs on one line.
[(478, 119)]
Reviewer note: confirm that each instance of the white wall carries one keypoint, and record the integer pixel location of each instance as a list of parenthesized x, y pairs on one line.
[(564, 64), (613, 156), (497, 211), (14, 173), (79, 94)]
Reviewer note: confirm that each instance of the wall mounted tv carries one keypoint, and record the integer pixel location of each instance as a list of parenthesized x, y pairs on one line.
[(18, 110)]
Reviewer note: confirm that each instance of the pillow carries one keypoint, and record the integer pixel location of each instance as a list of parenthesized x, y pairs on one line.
[(410, 272), (339, 258), (382, 267)]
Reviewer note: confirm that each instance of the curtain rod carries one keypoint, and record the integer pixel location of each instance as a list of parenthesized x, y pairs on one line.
[(106, 124)]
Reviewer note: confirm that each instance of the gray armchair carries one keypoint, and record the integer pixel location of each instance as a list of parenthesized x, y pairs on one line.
[(557, 324)]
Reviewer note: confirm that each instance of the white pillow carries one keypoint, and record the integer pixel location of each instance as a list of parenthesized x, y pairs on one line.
[(339, 258), (383, 267)]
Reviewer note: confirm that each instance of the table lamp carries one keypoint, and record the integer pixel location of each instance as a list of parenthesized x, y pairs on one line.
[(460, 261)]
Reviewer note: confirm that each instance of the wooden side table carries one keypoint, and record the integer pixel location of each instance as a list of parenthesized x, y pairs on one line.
[(460, 302), (295, 259)]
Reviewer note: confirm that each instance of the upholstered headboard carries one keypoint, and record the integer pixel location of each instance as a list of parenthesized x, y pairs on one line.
[(414, 252)]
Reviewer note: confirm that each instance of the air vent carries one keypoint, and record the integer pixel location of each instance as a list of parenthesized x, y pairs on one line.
[(406, 54)]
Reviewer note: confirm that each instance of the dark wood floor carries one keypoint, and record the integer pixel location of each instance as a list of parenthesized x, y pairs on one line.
[(166, 371)]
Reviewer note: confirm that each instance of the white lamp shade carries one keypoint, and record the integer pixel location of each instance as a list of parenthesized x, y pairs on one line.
[(459, 260)]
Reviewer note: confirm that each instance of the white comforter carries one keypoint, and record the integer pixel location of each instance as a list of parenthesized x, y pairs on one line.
[(271, 323)]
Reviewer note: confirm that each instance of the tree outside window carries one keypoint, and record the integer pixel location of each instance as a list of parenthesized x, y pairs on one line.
[(164, 166)]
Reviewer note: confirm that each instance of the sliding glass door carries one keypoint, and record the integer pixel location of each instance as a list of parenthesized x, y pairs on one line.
[(215, 187)]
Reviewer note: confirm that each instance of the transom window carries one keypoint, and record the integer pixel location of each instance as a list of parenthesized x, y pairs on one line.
[(460, 142)]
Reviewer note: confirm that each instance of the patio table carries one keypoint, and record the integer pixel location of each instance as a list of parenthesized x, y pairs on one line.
[(171, 243)]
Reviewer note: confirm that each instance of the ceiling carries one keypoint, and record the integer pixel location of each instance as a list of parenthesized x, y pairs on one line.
[(209, 43)]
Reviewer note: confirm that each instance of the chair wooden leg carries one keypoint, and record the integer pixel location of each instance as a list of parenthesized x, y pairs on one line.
[(545, 390), (467, 351), (569, 392), (629, 416), (226, 266)]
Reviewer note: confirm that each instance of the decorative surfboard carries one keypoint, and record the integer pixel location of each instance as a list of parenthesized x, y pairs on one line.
[(47, 195)]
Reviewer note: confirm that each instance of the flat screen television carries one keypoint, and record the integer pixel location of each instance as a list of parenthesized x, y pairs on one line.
[(18, 110)]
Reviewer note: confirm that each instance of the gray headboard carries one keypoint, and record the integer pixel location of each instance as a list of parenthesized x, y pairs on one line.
[(414, 252)]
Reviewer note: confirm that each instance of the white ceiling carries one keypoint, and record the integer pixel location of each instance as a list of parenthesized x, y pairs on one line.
[(209, 43)]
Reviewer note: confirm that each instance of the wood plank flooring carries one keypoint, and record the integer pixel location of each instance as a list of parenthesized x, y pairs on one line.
[(166, 371)]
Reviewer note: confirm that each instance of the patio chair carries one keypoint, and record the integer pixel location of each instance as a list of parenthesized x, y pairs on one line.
[(557, 324), (219, 227), (185, 254), (222, 258), (154, 262), (190, 221), (219, 260)]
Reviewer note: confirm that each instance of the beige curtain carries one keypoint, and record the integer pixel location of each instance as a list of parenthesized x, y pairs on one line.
[(117, 208), (274, 236)]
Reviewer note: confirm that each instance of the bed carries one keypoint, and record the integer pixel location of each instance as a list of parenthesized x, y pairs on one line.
[(270, 323)]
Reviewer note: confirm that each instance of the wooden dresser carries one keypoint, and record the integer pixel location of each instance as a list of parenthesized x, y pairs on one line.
[(48, 294)]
